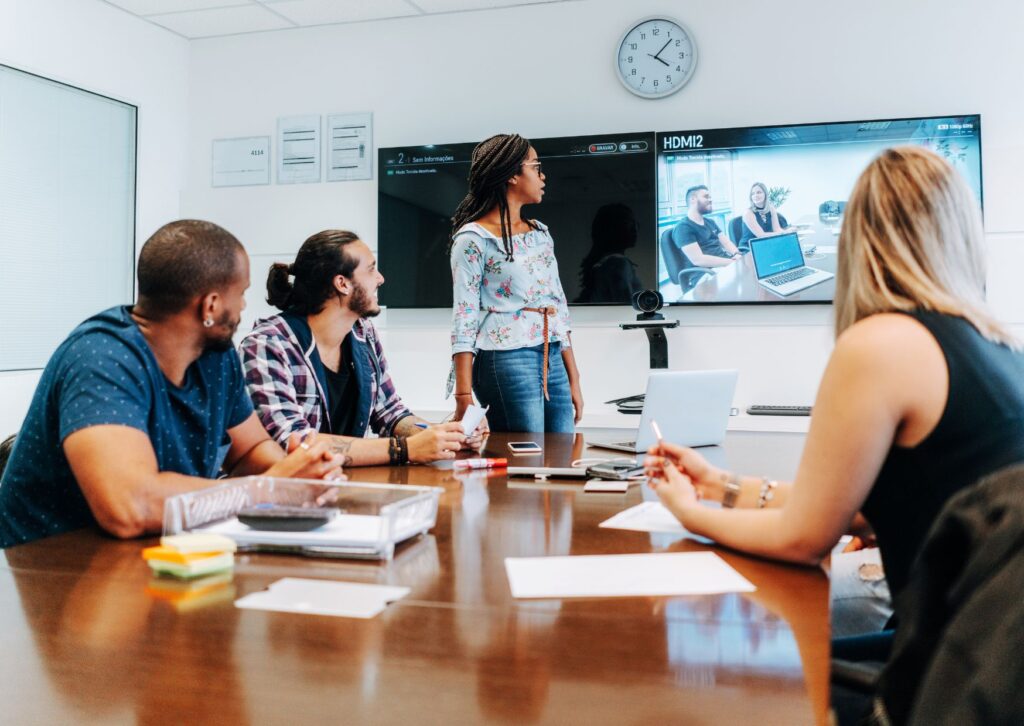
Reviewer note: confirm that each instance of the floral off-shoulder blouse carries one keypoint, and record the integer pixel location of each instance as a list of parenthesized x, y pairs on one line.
[(490, 293)]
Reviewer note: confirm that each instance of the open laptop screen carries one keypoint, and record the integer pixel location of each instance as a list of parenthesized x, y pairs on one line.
[(773, 255)]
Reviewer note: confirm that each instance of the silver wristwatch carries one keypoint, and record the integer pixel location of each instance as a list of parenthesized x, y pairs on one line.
[(732, 491)]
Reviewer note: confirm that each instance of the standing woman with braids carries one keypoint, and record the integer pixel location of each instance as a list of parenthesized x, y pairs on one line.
[(510, 322)]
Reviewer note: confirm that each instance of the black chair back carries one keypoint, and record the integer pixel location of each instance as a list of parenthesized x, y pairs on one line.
[(675, 259), (956, 656)]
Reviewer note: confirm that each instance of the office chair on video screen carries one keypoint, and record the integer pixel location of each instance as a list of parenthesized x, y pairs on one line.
[(956, 652), (680, 270), (736, 225)]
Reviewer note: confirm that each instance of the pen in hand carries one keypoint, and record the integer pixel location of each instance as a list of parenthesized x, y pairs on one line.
[(657, 434)]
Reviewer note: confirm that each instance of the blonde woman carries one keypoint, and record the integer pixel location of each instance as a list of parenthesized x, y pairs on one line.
[(922, 396), (761, 219)]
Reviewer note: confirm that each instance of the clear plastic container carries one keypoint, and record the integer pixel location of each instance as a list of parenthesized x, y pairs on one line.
[(373, 517)]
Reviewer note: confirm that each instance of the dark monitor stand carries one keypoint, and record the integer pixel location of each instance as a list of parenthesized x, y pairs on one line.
[(654, 325)]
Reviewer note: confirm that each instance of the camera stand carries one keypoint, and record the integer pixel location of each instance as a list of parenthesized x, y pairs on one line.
[(654, 325)]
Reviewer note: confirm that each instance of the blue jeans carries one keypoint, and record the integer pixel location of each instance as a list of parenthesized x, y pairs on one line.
[(511, 383)]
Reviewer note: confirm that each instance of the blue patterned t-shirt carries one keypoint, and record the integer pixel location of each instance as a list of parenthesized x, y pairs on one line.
[(106, 373)]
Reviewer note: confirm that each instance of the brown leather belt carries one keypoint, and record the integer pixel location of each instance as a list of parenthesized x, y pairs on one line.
[(546, 312)]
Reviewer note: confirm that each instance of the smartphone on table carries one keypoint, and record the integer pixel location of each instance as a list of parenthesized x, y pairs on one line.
[(524, 447)]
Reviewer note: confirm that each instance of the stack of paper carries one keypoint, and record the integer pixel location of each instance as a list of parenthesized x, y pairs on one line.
[(191, 555), (323, 597)]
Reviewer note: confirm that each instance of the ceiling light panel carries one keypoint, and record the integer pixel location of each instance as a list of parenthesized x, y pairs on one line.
[(154, 7), (449, 6), (221, 21)]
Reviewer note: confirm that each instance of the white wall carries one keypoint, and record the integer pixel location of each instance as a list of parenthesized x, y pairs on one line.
[(546, 70), (99, 48)]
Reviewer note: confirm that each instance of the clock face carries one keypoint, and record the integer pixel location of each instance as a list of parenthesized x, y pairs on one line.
[(656, 57)]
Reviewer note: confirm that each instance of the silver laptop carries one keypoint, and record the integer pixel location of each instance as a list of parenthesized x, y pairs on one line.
[(779, 263), (691, 408)]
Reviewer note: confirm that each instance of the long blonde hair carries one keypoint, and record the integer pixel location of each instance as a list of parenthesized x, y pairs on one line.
[(912, 239)]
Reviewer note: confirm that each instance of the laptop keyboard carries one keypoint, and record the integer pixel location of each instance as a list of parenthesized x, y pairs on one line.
[(783, 278)]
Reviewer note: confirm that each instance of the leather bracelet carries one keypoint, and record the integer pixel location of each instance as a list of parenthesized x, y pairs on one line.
[(393, 450), (461, 394), (767, 492), (732, 491)]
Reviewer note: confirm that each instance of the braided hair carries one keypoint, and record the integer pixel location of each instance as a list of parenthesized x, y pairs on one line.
[(493, 163)]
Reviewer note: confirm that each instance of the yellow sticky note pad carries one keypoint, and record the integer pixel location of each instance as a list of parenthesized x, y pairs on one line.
[(190, 543), (169, 554)]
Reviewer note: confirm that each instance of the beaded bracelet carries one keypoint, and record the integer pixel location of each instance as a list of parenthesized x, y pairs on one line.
[(767, 492)]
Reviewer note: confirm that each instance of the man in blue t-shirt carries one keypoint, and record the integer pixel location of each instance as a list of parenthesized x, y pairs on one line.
[(700, 239), (142, 403)]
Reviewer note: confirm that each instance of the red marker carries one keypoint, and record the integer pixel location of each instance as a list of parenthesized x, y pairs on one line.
[(480, 463)]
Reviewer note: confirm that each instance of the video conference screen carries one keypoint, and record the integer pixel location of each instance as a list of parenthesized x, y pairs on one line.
[(724, 193), (598, 201)]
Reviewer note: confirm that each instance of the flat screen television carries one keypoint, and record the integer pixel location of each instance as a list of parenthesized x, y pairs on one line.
[(598, 203), (806, 171)]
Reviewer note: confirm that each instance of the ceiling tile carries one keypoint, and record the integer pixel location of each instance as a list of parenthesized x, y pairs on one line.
[(153, 7), (448, 6), (221, 21), (322, 12)]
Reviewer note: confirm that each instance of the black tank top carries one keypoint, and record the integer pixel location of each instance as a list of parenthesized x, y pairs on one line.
[(980, 431)]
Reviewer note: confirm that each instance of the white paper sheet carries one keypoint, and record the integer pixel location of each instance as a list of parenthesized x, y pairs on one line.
[(607, 486), (298, 149), (344, 529), (323, 597), (472, 418), (350, 146), (241, 162), (671, 573), (646, 517)]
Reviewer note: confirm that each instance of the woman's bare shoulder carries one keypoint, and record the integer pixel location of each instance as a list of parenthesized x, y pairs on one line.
[(884, 340)]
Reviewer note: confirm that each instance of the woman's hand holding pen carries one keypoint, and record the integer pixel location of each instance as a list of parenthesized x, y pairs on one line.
[(671, 468)]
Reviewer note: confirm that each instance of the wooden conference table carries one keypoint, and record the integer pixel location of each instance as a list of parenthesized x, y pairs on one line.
[(87, 639)]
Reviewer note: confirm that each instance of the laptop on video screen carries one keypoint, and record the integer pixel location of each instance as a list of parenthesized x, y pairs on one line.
[(780, 267)]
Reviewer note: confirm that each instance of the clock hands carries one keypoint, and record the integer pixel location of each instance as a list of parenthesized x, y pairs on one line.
[(655, 55)]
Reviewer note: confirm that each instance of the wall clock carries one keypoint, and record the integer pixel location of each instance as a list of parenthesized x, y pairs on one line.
[(656, 57)]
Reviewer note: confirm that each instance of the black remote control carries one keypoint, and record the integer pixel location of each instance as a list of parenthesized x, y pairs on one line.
[(286, 519), (759, 410)]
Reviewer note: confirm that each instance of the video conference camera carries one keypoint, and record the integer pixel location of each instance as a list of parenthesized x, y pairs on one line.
[(648, 303)]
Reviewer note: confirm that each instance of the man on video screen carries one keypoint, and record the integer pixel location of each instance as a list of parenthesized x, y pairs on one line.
[(699, 237)]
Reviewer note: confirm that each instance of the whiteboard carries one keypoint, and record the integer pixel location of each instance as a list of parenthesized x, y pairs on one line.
[(67, 212)]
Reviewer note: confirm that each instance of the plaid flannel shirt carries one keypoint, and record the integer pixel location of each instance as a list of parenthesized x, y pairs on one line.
[(280, 374)]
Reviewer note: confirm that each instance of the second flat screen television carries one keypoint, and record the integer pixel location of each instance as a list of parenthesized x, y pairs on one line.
[(776, 195)]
